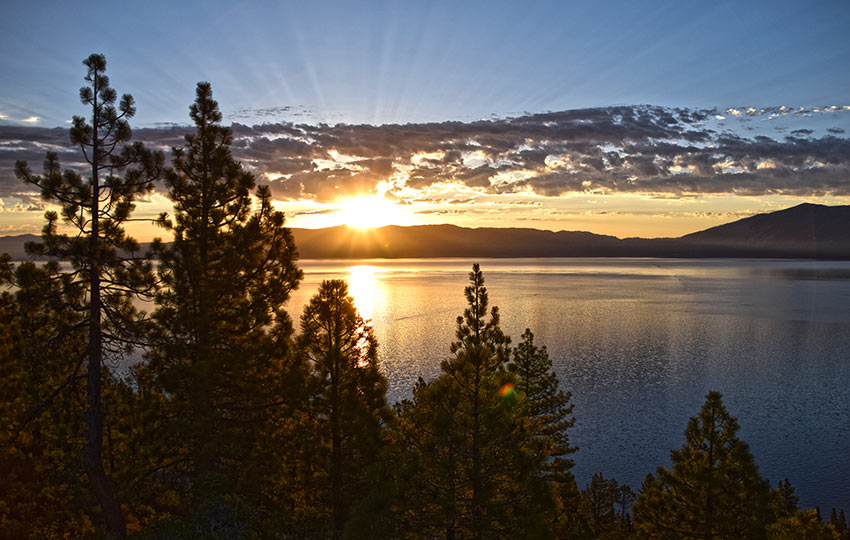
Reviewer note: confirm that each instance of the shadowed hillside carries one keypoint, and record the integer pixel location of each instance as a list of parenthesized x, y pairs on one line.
[(803, 231), (805, 227)]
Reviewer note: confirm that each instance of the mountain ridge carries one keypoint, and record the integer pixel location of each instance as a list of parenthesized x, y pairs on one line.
[(810, 231)]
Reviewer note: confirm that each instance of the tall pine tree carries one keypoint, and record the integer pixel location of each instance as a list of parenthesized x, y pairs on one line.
[(222, 336), (95, 209), (547, 404), (550, 411), (714, 490), (480, 472), (348, 394)]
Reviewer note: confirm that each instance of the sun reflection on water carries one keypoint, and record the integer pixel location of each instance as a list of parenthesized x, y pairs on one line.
[(361, 287)]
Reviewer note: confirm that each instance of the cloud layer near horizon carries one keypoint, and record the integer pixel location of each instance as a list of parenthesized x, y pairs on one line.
[(656, 151)]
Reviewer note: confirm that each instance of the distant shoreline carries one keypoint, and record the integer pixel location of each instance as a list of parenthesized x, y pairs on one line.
[(806, 231)]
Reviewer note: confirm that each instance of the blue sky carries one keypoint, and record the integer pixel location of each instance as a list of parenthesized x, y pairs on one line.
[(625, 118), (397, 62)]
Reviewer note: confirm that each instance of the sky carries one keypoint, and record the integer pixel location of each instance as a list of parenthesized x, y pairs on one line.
[(624, 118)]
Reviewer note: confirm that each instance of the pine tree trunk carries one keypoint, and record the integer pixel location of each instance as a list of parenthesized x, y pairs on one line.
[(477, 531), (709, 502), (451, 519), (202, 409), (337, 501), (102, 489)]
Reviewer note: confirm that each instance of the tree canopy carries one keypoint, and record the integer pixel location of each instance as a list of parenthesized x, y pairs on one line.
[(103, 279), (714, 490)]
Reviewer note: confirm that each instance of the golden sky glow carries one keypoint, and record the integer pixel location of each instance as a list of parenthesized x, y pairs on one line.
[(630, 171), (371, 211)]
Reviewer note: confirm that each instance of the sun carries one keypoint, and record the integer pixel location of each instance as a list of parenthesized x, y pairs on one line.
[(369, 212)]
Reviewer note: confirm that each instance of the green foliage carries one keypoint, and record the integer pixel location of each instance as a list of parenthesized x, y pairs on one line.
[(547, 405), (605, 504), (714, 489), (467, 444), (571, 520), (42, 349), (803, 524), (550, 413), (347, 399), (42, 404), (103, 279), (233, 429), (220, 358), (96, 207), (838, 522), (785, 502)]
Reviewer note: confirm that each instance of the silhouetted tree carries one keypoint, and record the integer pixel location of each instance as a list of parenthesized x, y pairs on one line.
[(480, 352), (802, 525), (481, 472), (43, 347), (625, 498), (348, 395), (549, 409), (547, 405), (221, 343), (714, 490), (837, 521), (785, 502), (600, 496), (96, 208)]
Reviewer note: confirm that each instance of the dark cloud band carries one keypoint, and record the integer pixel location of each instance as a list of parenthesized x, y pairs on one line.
[(636, 149)]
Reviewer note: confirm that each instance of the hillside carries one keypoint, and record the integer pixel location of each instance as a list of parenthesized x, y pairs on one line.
[(14, 245), (803, 231), (806, 228)]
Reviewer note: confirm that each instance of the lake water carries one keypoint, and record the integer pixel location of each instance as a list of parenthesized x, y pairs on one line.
[(639, 342)]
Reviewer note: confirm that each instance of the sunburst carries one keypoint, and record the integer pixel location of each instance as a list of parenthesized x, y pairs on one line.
[(369, 212)]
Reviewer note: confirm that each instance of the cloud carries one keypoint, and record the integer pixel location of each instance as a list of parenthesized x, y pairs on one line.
[(658, 151), (777, 112), (313, 212), (253, 113)]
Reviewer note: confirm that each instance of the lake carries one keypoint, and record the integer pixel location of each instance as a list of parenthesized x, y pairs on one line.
[(639, 342)]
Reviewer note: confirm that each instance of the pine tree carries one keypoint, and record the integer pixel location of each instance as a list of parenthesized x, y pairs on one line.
[(96, 208), (348, 395), (838, 522), (803, 524), (42, 405), (547, 404), (480, 352), (550, 410), (624, 499), (600, 497), (785, 502), (222, 337), (714, 490), (480, 474)]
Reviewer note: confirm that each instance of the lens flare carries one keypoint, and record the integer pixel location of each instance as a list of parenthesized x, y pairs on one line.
[(507, 390)]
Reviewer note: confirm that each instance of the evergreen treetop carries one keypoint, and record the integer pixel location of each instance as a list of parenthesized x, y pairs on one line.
[(221, 343), (548, 405), (103, 278), (714, 490)]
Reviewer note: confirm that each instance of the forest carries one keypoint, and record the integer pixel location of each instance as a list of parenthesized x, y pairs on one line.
[(238, 422)]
